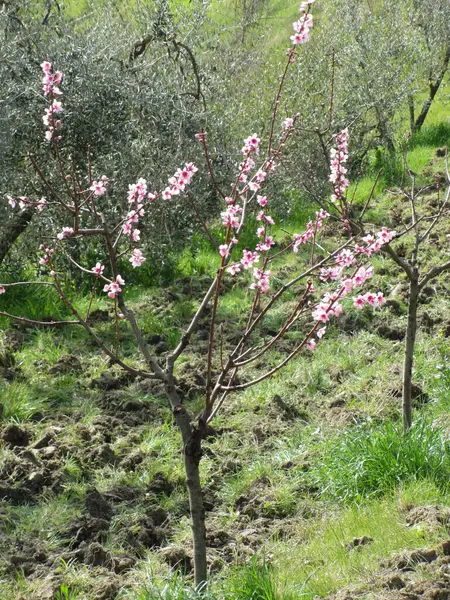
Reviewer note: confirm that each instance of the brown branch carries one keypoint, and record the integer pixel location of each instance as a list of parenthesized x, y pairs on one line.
[(38, 323)]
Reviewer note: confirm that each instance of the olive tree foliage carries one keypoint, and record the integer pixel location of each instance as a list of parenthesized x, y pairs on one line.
[(248, 15), (430, 20), (139, 88), (371, 60)]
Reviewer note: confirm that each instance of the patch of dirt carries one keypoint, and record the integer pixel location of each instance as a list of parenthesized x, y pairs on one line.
[(400, 577), (66, 364), (13, 435), (430, 516)]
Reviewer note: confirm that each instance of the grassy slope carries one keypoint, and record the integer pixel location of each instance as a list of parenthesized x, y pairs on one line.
[(264, 471)]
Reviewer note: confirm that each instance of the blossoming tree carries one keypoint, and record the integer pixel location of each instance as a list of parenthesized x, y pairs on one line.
[(322, 288)]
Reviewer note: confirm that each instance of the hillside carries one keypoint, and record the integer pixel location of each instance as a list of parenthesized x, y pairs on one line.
[(313, 488), (95, 456)]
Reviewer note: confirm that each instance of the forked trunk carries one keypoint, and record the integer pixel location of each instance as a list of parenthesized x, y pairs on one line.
[(409, 352)]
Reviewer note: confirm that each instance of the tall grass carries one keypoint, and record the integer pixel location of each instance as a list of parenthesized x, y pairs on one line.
[(372, 460), (254, 581)]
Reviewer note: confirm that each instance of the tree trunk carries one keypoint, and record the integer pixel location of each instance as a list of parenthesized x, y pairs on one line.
[(192, 453), (412, 118), (12, 229), (434, 87), (191, 465), (409, 352)]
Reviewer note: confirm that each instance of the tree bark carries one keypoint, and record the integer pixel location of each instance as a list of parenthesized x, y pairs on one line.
[(192, 456), (192, 453), (411, 330), (12, 229)]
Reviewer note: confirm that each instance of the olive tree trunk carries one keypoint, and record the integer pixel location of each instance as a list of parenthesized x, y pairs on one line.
[(11, 230)]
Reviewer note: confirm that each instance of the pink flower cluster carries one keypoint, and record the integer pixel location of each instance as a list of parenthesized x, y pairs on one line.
[(66, 232), (303, 26), (113, 288), (99, 187), (24, 202), (50, 82), (48, 253), (230, 217), (251, 145), (179, 181), (338, 171), (262, 280), (137, 258), (311, 230), (375, 243), (370, 298)]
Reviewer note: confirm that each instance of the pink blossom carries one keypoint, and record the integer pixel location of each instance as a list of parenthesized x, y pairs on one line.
[(288, 123), (338, 171), (320, 313), (137, 258), (345, 258), (251, 144), (321, 332), (99, 187), (230, 217), (41, 204), (136, 235), (266, 245), (263, 217), (262, 281), (303, 25), (224, 250), (234, 268), (254, 186), (311, 344), (166, 194), (330, 273), (98, 269), (2, 289), (261, 200), (362, 275), (112, 289), (260, 231), (380, 299), (66, 232), (248, 258), (359, 302)]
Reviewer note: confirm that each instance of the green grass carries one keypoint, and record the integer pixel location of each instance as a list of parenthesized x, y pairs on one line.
[(20, 401), (375, 459), (319, 560)]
